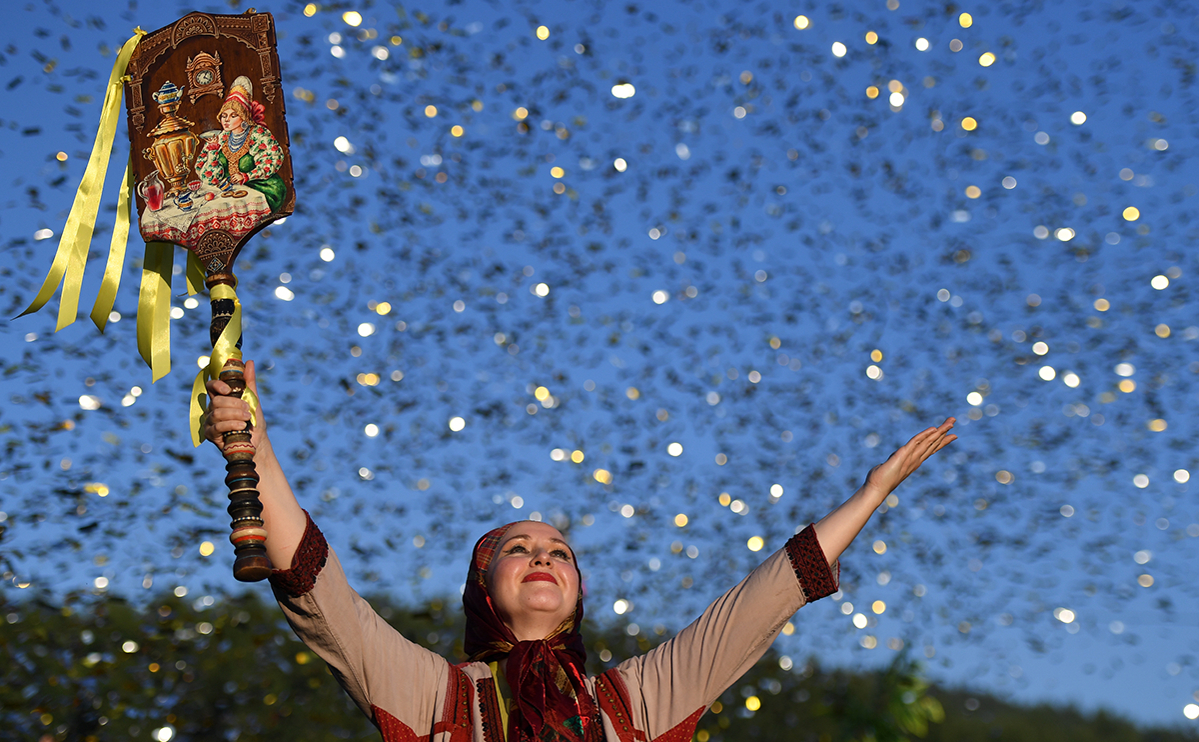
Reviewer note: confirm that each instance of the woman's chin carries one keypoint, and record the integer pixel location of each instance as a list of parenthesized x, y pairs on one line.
[(542, 602)]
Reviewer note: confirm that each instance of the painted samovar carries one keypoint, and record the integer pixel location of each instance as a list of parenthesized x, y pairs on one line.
[(174, 147)]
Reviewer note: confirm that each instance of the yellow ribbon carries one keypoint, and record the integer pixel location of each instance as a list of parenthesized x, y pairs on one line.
[(225, 349), (503, 702), (76, 237), (116, 253), (154, 308), (195, 274)]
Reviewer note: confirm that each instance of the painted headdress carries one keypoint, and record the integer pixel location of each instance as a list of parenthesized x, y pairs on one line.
[(240, 99)]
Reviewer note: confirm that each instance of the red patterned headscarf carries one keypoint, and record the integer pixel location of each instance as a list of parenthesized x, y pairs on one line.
[(546, 676)]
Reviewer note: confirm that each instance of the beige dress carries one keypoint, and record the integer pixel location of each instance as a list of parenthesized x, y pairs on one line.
[(411, 693)]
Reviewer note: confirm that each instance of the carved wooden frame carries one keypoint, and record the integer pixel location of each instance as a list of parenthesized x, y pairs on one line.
[(251, 29)]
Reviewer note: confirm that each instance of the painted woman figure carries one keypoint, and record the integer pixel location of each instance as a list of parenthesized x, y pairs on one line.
[(525, 680), (244, 152)]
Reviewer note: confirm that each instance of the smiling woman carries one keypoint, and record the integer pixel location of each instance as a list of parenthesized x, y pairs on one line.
[(525, 680)]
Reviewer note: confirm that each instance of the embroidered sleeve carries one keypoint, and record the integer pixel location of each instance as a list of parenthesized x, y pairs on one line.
[(268, 156), (208, 167), (306, 563), (811, 566)]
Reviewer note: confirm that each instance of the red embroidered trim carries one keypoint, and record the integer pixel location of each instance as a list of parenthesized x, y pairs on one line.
[(489, 710), (684, 730), (811, 566), (455, 716), (306, 563), (613, 698), (392, 729)]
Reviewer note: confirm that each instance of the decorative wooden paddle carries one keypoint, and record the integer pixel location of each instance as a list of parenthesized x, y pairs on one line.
[(212, 167)]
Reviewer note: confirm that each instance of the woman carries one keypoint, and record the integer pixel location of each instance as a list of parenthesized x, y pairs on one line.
[(244, 152), (524, 608)]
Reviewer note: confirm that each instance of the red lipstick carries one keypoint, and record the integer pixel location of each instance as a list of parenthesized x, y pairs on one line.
[(540, 576)]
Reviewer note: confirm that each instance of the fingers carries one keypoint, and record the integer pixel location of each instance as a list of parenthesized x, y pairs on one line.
[(229, 417), (225, 411), (922, 441), (932, 435), (941, 429), (935, 439), (225, 415), (224, 402), (944, 442), (224, 420), (949, 423), (927, 442), (936, 445)]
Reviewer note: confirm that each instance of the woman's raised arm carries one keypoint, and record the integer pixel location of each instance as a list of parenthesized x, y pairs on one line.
[(398, 684), (671, 686), (285, 521), (838, 529)]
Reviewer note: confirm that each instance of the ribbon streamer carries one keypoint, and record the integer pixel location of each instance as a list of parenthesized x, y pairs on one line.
[(116, 253), (71, 257), (225, 349), (495, 675), (154, 308), (195, 274)]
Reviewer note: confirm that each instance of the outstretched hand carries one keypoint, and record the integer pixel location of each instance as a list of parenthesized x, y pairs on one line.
[(885, 477), (226, 414), (839, 528)]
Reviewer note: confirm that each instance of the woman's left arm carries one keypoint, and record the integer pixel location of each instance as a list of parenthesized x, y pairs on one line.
[(839, 528), (670, 687)]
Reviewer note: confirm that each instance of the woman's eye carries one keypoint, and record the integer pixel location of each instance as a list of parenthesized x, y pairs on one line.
[(516, 548), (561, 554)]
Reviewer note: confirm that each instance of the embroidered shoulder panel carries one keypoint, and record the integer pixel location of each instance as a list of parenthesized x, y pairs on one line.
[(613, 698), (811, 566), (456, 716), (306, 563)]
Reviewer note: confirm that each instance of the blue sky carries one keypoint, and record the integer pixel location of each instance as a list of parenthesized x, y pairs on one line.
[(769, 219)]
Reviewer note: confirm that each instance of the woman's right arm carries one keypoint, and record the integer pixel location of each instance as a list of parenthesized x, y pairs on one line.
[(285, 520), (391, 679)]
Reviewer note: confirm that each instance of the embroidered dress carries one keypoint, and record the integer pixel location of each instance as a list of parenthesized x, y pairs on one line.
[(413, 694), (257, 155)]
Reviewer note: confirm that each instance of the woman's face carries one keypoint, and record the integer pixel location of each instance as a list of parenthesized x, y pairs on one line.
[(230, 121), (533, 581)]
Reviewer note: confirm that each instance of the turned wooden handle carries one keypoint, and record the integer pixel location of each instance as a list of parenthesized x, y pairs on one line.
[(248, 535)]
